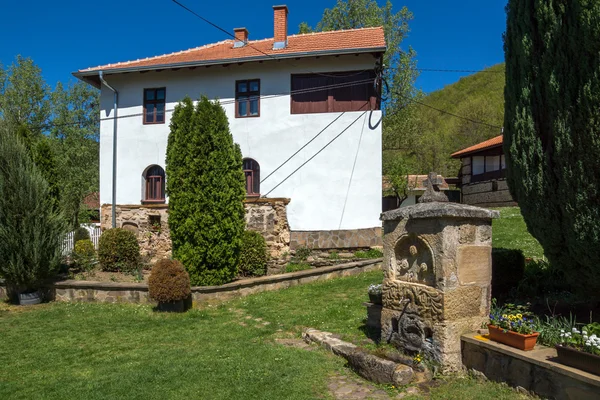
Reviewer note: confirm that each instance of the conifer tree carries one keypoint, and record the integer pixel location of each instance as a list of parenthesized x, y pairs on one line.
[(552, 130), (205, 185)]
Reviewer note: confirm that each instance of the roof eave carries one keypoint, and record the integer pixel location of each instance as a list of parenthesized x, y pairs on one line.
[(88, 76), (462, 154)]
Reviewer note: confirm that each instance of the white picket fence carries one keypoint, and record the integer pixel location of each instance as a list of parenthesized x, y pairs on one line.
[(69, 243)]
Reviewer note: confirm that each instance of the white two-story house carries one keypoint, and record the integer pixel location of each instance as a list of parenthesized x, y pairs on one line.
[(303, 108)]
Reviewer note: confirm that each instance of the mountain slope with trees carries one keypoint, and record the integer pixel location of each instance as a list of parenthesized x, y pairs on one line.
[(428, 146)]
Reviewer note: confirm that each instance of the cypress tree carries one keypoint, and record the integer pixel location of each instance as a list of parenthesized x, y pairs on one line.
[(31, 229), (45, 161), (205, 185), (552, 130)]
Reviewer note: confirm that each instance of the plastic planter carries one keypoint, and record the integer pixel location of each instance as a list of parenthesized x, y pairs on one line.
[(513, 339), (578, 359)]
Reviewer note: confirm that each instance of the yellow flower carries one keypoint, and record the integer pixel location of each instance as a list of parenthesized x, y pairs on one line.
[(504, 316), (519, 316)]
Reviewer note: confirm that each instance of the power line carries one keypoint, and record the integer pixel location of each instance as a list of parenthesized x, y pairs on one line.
[(487, 71), (316, 154)]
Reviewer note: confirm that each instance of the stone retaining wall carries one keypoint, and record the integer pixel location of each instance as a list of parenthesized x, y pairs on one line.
[(112, 292), (150, 223), (337, 239), (536, 371), (492, 193)]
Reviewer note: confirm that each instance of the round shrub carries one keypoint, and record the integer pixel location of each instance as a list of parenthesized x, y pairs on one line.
[(508, 266), (81, 234), (253, 258), (169, 282), (84, 254), (118, 250)]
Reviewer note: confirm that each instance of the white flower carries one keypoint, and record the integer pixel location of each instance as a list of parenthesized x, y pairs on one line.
[(585, 337), (562, 331), (562, 335), (575, 330), (588, 343)]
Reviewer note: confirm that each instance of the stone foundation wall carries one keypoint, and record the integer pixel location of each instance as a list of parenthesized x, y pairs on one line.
[(337, 239), (536, 370), (113, 292), (150, 223)]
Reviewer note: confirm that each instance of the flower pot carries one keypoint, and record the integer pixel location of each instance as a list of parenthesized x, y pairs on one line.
[(28, 299), (375, 298), (513, 339), (578, 359), (171, 306)]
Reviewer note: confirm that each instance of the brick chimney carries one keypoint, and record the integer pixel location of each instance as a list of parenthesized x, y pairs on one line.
[(241, 37), (280, 25)]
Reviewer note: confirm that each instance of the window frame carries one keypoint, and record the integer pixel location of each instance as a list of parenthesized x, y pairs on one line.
[(487, 175), (154, 102), (250, 94), (158, 181), (254, 174)]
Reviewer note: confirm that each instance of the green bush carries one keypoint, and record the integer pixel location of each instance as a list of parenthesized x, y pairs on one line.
[(508, 267), (540, 280), (81, 234), (293, 267), (84, 255), (371, 253), (31, 228), (206, 189), (302, 253), (169, 282), (118, 250), (253, 258)]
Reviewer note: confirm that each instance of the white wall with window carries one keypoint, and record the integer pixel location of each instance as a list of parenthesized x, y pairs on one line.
[(267, 132)]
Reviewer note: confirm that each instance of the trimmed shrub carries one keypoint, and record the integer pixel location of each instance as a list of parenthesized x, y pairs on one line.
[(81, 234), (206, 189), (169, 282), (371, 253), (508, 267), (253, 258), (31, 228), (118, 250), (84, 254)]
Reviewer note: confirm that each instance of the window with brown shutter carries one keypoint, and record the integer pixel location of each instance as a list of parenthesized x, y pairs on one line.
[(333, 92), (155, 185), (252, 175)]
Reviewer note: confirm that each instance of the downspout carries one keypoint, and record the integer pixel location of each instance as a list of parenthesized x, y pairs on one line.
[(114, 151)]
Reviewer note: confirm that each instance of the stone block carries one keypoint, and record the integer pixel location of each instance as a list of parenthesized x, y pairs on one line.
[(474, 265), (464, 301)]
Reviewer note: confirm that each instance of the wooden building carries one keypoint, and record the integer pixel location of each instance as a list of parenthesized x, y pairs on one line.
[(482, 176)]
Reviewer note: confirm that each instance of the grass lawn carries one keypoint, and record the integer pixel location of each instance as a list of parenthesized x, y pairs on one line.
[(509, 231), (228, 351)]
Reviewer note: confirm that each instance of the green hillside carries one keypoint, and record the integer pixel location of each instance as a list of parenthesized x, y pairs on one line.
[(478, 97)]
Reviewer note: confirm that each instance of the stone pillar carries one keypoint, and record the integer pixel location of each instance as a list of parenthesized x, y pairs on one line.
[(437, 284)]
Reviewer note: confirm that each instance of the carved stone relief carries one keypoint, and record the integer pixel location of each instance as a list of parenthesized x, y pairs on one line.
[(424, 300), (414, 261)]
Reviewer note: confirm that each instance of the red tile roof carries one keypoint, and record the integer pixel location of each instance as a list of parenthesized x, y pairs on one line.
[(92, 201), (488, 144), (365, 39)]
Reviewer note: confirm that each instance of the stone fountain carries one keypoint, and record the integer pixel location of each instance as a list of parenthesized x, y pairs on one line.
[(438, 272)]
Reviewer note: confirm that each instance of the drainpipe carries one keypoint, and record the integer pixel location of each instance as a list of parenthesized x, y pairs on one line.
[(114, 152)]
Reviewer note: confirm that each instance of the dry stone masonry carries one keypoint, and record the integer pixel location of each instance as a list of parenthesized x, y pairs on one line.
[(437, 284)]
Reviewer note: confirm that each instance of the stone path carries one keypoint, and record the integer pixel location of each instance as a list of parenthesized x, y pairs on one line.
[(350, 387)]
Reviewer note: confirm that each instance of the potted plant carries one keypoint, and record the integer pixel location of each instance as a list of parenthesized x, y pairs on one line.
[(169, 285), (512, 326), (581, 349), (375, 294)]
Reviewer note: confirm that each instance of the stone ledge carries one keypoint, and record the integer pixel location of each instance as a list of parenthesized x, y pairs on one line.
[(267, 200), (439, 210), (534, 370), (74, 284)]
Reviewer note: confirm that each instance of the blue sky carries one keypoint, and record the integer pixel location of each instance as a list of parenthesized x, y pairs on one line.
[(63, 36)]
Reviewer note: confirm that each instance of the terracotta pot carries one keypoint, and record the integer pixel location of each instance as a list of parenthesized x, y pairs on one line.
[(578, 359), (513, 339)]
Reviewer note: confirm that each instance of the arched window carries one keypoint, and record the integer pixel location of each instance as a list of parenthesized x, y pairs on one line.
[(252, 174), (154, 179)]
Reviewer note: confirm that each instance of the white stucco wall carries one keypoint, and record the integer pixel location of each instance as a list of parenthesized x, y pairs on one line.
[(317, 190)]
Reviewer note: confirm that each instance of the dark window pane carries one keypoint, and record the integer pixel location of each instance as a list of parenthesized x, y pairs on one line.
[(242, 87), (160, 94), (149, 112), (243, 105), (254, 107), (160, 112), (254, 86), (149, 94)]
